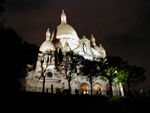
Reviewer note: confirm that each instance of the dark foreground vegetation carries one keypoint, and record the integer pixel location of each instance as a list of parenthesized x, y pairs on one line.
[(27, 101)]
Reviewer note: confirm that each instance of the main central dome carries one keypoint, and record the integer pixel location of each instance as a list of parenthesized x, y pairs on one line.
[(65, 33), (64, 30)]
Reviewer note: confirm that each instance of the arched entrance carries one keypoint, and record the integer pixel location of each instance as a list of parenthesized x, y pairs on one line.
[(97, 89), (107, 87), (84, 88)]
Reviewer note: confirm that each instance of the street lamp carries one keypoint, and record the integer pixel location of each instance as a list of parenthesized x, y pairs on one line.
[(116, 72)]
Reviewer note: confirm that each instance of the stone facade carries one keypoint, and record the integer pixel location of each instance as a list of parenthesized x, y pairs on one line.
[(64, 39)]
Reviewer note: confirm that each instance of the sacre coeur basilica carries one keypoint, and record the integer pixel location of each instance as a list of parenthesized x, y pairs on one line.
[(64, 38)]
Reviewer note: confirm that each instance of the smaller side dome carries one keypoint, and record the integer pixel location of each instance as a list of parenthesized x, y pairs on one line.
[(47, 46)]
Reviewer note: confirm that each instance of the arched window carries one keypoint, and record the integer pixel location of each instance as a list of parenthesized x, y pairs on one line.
[(84, 48)]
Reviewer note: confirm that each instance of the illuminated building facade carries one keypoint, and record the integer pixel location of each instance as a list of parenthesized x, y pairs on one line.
[(64, 39)]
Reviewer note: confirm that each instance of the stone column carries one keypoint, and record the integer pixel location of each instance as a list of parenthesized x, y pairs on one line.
[(121, 89)]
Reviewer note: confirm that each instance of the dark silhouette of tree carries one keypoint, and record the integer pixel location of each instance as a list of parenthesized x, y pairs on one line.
[(90, 69), (44, 68), (117, 61), (58, 58), (15, 55), (126, 74), (108, 72), (1, 7), (136, 75), (72, 61), (111, 68)]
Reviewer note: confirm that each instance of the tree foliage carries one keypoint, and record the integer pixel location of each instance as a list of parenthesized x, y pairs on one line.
[(90, 69), (136, 75), (112, 68), (15, 55), (127, 74), (122, 76), (72, 62)]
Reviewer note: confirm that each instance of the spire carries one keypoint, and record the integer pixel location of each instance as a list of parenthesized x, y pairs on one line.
[(93, 40), (48, 34), (63, 17), (100, 45)]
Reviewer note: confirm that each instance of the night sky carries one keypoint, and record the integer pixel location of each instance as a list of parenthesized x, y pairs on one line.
[(121, 26)]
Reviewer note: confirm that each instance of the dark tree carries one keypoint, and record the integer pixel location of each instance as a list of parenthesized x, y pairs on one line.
[(15, 55), (111, 68), (136, 75), (1, 7), (90, 69), (44, 60), (128, 75), (72, 61)]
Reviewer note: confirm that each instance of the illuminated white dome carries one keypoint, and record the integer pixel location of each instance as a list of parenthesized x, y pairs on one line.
[(47, 46), (66, 31)]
